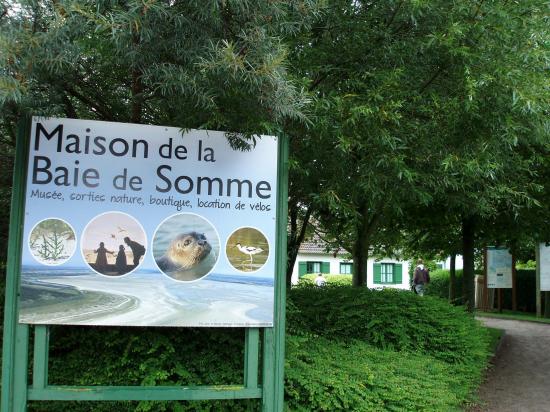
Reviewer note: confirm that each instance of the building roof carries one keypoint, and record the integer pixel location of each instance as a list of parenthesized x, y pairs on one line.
[(318, 246)]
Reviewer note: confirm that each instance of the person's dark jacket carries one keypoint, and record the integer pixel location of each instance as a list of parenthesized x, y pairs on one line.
[(421, 276)]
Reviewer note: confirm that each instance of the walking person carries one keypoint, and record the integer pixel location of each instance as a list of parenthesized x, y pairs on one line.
[(320, 280), (421, 277)]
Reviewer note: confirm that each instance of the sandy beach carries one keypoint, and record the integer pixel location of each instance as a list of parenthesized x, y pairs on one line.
[(150, 299)]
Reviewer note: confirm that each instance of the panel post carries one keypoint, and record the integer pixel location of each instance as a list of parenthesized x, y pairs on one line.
[(40, 359), (280, 274), (274, 339), (268, 372), (485, 304), (537, 282), (14, 357), (252, 339), (514, 285)]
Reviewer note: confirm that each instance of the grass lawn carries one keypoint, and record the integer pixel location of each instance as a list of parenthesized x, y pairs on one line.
[(496, 336), (513, 315)]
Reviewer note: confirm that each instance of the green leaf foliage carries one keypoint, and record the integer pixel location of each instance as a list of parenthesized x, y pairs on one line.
[(525, 293), (439, 285), (342, 280), (390, 319), (207, 64), (332, 362), (324, 375)]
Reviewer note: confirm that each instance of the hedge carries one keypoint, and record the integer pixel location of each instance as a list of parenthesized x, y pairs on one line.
[(347, 349), (389, 319), (525, 281)]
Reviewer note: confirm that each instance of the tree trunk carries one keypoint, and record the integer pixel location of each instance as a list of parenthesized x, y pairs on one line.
[(137, 84), (137, 99), (547, 304), (296, 237), (360, 259), (452, 279), (468, 231), (365, 231)]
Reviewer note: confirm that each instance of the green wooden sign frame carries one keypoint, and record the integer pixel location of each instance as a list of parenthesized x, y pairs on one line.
[(16, 390)]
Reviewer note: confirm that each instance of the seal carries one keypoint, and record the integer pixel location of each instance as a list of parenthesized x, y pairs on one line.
[(184, 252)]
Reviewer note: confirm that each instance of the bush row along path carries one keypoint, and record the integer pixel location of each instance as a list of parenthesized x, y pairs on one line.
[(520, 377)]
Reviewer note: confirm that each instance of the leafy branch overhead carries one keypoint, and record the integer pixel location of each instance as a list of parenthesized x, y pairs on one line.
[(204, 64)]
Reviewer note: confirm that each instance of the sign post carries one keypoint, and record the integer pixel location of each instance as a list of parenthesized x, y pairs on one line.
[(543, 274), (500, 273), (164, 228)]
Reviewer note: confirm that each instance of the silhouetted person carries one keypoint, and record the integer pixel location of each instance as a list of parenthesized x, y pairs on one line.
[(101, 259), (138, 250), (121, 265)]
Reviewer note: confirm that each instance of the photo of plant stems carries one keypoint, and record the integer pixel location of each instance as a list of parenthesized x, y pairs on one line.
[(52, 242)]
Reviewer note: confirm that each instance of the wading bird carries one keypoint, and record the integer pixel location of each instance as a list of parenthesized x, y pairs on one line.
[(249, 250)]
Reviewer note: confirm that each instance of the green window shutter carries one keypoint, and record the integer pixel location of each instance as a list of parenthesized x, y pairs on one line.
[(377, 273), (397, 273), (325, 267), (302, 269)]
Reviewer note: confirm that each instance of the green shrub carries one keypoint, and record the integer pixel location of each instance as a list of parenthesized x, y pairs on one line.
[(525, 283), (323, 375), (347, 349), (331, 279), (390, 319), (145, 356), (439, 285), (525, 292)]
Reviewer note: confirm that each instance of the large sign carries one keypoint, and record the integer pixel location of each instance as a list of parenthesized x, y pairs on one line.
[(147, 226), (499, 268), (544, 264)]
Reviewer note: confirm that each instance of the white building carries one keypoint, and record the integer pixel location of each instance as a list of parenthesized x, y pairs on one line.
[(446, 264), (381, 273)]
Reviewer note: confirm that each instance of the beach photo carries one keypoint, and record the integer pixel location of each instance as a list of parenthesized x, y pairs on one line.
[(186, 247), (247, 249), (113, 244), (52, 241)]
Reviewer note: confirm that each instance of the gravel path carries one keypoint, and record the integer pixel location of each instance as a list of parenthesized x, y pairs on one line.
[(520, 378)]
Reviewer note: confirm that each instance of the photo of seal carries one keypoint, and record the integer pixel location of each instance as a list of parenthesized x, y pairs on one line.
[(186, 247), (184, 252)]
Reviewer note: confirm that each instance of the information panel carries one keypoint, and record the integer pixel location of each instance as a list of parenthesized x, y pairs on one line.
[(499, 268), (544, 256), (147, 226)]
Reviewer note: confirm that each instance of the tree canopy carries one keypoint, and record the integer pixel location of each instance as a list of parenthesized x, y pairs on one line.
[(413, 123)]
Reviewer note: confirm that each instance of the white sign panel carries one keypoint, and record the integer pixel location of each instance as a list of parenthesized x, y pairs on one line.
[(544, 256), (147, 226), (499, 268)]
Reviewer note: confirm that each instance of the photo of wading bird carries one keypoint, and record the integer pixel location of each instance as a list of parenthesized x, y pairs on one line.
[(249, 250)]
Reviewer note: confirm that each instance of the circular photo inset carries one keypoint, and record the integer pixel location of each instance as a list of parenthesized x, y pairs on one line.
[(113, 244), (186, 247), (52, 241), (247, 249)]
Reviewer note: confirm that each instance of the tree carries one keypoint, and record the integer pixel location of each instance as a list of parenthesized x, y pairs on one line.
[(374, 72), (186, 63), (189, 64), (423, 103)]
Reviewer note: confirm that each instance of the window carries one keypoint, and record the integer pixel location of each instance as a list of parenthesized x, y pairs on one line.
[(346, 268), (388, 273), (305, 268), (313, 267)]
